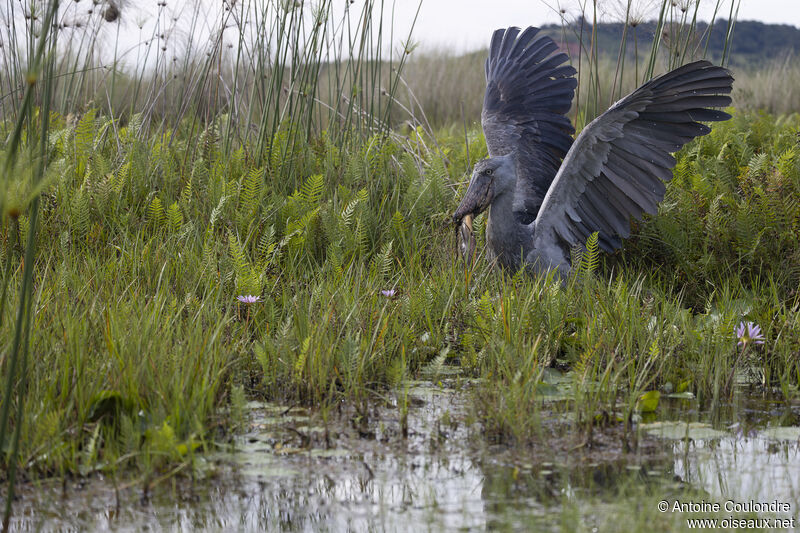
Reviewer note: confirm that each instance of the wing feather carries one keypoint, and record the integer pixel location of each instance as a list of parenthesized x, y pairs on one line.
[(529, 90), (617, 166)]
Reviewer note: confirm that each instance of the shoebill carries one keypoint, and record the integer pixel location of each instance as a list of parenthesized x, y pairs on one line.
[(547, 193)]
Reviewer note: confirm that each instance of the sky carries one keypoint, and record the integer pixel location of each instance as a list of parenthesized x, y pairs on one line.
[(466, 24), (457, 25)]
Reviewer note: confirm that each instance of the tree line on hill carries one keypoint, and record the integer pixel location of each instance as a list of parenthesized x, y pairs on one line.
[(753, 42)]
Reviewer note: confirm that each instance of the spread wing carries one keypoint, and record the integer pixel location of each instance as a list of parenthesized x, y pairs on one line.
[(619, 163), (528, 93)]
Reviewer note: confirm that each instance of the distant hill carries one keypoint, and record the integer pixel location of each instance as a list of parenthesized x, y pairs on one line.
[(753, 42)]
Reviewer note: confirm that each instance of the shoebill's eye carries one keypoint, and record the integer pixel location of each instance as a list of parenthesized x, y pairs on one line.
[(488, 171)]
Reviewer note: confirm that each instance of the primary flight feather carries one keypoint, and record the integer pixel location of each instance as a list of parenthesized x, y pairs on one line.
[(547, 193)]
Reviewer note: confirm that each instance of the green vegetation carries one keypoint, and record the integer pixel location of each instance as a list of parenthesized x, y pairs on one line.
[(147, 225), (139, 339)]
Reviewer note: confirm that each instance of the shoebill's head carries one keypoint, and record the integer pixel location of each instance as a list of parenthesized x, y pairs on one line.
[(491, 178)]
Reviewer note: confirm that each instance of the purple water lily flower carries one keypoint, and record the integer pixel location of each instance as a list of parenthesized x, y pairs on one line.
[(748, 333), (389, 293), (248, 299)]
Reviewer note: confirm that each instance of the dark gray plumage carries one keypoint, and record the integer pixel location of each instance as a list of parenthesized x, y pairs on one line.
[(615, 169), (528, 93)]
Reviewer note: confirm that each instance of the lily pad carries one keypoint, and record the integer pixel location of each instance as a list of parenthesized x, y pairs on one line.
[(551, 392), (331, 452), (554, 377), (681, 395), (788, 433), (683, 430), (648, 402)]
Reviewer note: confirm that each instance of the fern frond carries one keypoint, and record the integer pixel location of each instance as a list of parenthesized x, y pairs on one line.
[(653, 350), (355, 170), (717, 217), (131, 132), (209, 253), (747, 234), (348, 210), (300, 362), (398, 224), (436, 180), (240, 263), (361, 237), (381, 264), (590, 258), (121, 177), (97, 167), (787, 162), (208, 141), (79, 214), (433, 369), (334, 259), (174, 217), (251, 191), (266, 245), (312, 189), (727, 177), (217, 212), (155, 213), (297, 230), (84, 134), (757, 165), (277, 152), (186, 195)]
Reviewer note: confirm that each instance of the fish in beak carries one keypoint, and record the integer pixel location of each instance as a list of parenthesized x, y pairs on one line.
[(466, 239)]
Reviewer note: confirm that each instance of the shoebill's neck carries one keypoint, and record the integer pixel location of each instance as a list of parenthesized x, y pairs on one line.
[(508, 239)]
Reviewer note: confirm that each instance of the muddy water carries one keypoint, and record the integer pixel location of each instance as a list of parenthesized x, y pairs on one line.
[(297, 470), (756, 457)]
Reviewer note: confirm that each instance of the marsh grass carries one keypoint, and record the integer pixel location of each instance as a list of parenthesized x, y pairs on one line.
[(156, 214), (252, 67), (139, 339), (651, 38), (772, 87), (21, 193)]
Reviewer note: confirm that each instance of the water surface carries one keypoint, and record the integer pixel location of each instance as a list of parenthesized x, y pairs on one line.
[(297, 470)]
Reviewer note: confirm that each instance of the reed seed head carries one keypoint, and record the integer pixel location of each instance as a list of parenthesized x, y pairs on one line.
[(111, 13)]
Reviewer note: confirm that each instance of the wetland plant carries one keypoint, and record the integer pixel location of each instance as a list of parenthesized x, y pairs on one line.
[(165, 206), (748, 333)]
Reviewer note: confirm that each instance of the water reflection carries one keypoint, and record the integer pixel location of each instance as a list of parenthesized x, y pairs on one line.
[(280, 475), (758, 459), (742, 469)]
